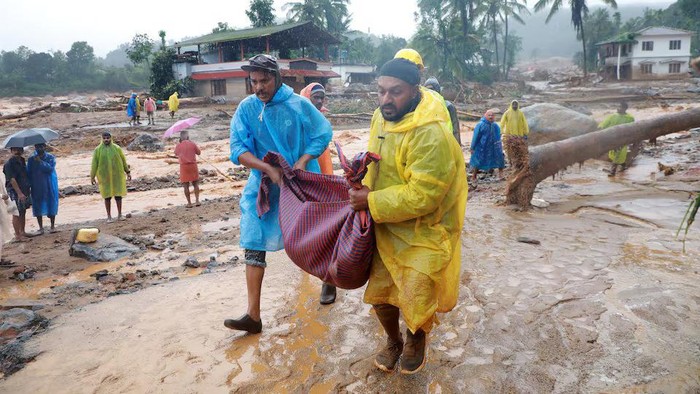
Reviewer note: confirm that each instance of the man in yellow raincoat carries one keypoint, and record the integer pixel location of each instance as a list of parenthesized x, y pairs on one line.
[(618, 156), (173, 104), (110, 168), (417, 195), (515, 130)]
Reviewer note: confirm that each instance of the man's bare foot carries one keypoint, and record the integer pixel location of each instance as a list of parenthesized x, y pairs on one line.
[(121, 218), (198, 204), (53, 230), (188, 206), (110, 220)]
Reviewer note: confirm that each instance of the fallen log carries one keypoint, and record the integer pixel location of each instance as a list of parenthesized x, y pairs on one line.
[(548, 159), (468, 116), (25, 113)]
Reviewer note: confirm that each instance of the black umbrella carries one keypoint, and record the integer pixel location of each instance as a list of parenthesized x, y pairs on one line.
[(28, 137)]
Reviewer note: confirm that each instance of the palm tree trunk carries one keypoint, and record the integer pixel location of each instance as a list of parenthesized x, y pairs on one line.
[(505, 48), (548, 159), (585, 58), (495, 43)]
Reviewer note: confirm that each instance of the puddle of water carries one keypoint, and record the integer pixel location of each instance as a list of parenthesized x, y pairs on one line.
[(665, 212)]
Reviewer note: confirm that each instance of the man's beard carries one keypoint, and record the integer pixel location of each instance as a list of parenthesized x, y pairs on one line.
[(400, 112)]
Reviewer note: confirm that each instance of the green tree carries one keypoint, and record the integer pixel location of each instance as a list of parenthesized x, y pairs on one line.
[(261, 13), (511, 8), (162, 73), (221, 26), (161, 34), (598, 26), (81, 59), (140, 49), (305, 10), (388, 46), (579, 9), (39, 68)]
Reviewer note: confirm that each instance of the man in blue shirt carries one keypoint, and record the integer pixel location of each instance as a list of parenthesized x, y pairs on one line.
[(278, 120)]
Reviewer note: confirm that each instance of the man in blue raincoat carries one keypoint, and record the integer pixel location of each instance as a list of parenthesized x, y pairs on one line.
[(41, 168), (131, 110), (278, 120), (486, 148)]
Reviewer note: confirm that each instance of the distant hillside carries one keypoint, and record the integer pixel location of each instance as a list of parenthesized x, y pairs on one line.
[(558, 38)]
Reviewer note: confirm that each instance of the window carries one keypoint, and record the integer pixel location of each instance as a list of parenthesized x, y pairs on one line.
[(647, 45), (646, 68), (218, 87), (674, 44), (674, 68)]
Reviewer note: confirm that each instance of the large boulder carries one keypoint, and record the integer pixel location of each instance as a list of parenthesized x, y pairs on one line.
[(106, 248), (552, 122), (146, 142)]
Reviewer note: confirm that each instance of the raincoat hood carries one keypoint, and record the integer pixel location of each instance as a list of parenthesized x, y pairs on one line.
[(429, 110), (306, 93)]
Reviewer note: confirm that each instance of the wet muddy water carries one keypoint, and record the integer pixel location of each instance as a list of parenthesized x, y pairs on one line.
[(608, 302)]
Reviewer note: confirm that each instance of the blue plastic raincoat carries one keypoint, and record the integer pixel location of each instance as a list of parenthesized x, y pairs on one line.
[(131, 106), (487, 151), (44, 184), (289, 125)]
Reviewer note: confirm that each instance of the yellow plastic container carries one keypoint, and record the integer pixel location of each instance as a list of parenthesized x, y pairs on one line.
[(87, 235)]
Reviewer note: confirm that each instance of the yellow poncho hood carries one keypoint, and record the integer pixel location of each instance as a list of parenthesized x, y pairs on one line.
[(513, 122), (418, 199)]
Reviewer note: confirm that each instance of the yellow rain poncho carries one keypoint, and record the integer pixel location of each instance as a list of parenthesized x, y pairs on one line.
[(109, 165), (173, 102), (619, 155), (418, 198), (514, 123)]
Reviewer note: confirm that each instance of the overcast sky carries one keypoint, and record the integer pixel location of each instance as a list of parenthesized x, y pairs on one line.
[(50, 25)]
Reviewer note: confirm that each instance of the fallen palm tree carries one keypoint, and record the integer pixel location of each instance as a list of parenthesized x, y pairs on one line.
[(548, 159)]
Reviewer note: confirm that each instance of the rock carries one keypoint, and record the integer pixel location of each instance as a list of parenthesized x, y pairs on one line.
[(146, 142), (693, 90), (191, 262), (527, 240), (553, 122), (106, 248), (70, 190), (15, 321), (99, 274), (33, 305), (539, 203)]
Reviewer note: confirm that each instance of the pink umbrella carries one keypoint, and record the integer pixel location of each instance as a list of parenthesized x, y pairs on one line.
[(179, 126)]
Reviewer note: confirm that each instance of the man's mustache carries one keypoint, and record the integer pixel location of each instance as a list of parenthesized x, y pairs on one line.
[(388, 106)]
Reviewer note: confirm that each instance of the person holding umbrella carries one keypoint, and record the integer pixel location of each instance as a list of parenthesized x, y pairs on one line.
[(18, 188), (41, 168), (110, 168), (186, 152)]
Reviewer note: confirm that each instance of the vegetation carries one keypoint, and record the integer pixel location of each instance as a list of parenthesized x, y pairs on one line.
[(261, 13), (579, 10)]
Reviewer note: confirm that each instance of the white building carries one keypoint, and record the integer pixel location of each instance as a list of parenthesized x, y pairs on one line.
[(653, 52), (353, 73)]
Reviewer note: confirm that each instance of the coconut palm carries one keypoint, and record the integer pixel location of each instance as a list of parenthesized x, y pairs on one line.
[(511, 8), (579, 9)]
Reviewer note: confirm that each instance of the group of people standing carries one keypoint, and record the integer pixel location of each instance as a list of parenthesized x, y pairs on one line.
[(134, 108), (30, 183)]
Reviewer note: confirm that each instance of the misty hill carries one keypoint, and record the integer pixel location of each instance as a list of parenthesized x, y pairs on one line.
[(558, 37)]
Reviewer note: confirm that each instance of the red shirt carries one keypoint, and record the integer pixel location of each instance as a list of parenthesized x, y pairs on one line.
[(186, 152)]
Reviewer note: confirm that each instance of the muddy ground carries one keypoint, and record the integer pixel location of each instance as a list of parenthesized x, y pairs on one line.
[(607, 302)]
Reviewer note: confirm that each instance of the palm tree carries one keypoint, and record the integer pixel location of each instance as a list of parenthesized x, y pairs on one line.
[(579, 9), (512, 8), (305, 10)]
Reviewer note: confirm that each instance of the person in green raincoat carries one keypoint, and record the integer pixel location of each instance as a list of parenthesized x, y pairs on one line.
[(416, 195), (618, 156), (110, 168)]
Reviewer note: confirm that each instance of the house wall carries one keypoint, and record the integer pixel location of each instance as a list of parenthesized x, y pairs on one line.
[(235, 89), (661, 56), (344, 70)]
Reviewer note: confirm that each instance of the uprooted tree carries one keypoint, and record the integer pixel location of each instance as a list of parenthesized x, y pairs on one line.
[(548, 159)]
